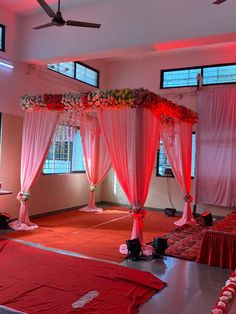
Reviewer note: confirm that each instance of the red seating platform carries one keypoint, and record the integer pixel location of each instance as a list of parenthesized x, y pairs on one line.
[(218, 245)]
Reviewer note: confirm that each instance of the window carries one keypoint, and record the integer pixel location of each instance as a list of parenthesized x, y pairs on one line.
[(180, 78), (86, 74), (65, 154), (65, 68), (163, 166), (78, 71), (219, 74), (2, 37), (212, 75)]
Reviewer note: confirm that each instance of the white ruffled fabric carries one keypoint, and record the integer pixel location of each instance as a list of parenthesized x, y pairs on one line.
[(91, 210), (16, 225)]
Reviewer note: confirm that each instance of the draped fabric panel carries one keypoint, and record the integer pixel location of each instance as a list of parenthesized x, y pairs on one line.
[(177, 141), (216, 148), (131, 136), (218, 249), (96, 157), (38, 129)]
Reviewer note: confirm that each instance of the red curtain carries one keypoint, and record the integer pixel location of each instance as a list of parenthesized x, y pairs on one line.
[(131, 136)]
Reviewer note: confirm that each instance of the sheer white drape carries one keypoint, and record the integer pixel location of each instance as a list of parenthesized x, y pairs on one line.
[(177, 141), (38, 129), (96, 157), (216, 147)]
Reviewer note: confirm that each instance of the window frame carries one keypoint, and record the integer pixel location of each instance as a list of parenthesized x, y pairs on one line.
[(90, 68), (172, 175), (74, 74), (3, 30), (63, 173), (202, 67)]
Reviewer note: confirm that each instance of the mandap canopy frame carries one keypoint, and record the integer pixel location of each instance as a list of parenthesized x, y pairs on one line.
[(138, 105)]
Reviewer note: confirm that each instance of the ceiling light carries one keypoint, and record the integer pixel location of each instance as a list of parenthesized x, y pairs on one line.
[(6, 64)]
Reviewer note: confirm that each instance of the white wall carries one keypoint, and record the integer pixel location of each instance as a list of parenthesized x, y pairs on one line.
[(13, 36), (145, 72), (10, 162)]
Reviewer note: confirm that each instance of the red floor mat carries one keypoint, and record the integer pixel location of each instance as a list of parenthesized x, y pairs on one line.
[(37, 281), (185, 241), (96, 235)]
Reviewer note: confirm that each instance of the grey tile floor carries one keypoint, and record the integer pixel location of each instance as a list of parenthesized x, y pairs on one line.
[(192, 288)]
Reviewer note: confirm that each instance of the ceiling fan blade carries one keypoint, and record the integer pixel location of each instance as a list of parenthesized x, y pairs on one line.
[(47, 8), (218, 1), (44, 26), (82, 24)]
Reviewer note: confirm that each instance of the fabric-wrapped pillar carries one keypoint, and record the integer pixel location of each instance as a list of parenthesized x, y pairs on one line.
[(177, 141), (132, 135), (38, 130), (96, 157)]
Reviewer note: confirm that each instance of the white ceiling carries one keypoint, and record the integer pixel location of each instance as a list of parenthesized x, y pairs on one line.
[(129, 27)]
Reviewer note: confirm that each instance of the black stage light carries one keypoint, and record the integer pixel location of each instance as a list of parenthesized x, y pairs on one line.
[(208, 219), (134, 249), (4, 220), (170, 212), (159, 245)]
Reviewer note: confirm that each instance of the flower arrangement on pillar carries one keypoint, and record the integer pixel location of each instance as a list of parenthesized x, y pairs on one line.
[(92, 188), (138, 213), (23, 196), (188, 198)]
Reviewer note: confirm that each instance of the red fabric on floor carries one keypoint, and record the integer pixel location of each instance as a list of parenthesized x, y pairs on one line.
[(38, 281), (96, 235)]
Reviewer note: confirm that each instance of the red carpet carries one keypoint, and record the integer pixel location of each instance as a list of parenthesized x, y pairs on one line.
[(96, 235), (37, 281), (185, 241)]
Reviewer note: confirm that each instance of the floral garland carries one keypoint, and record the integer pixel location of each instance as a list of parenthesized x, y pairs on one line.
[(226, 296), (188, 198), (23, 196), (117, 98), (92, 188), (138, 213)]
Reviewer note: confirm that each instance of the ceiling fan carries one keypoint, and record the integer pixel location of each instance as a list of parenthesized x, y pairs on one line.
[(57, 19), (218, 1)]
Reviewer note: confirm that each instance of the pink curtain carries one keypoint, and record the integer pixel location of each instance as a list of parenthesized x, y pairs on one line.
[(216, 148), (96, 157), (177, 141), (38, 130), (131, 136)]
